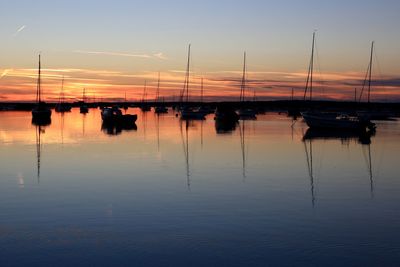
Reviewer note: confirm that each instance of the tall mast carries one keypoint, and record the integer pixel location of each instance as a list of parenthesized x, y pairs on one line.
[(186, 87), (309, 82), (202, 90), (62, 91), (243, 85), (38, 89), (83, 95), (158, 89), (370, 72), (144, 91)]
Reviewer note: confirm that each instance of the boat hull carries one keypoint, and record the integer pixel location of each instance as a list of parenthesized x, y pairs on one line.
[(333, 121)]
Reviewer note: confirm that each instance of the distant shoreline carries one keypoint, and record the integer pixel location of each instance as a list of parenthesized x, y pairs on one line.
[(273, 105)]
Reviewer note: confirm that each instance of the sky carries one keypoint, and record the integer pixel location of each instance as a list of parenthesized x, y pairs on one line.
[(112, 47)]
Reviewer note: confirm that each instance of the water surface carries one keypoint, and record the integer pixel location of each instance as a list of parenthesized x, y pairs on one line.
[(171, 193)]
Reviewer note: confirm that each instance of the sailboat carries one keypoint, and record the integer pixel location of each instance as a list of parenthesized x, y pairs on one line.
[(160, 107), (206, 109), (41, 114), (329, 120), (62, 106), (245, 113), (144, 106), (188, 112), (371, 114), (83, 108), (125, 106)]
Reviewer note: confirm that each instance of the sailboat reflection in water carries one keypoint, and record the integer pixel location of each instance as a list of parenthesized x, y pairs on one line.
[(363, 138), (185, 145), (39, 129), (242, 133)]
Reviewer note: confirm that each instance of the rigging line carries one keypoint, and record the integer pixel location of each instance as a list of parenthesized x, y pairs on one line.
[(321, 81), (364, 84), (378, 67)]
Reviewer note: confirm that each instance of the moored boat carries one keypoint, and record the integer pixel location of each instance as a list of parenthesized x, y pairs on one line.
[(40, 113)]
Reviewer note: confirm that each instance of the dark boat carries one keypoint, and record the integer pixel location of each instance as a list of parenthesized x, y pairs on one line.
[(114, 115), (83, 109), (40, 113)]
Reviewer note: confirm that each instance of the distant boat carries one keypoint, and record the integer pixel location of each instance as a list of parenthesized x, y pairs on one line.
[(40, 113), (245, 112), (188, 112), (83, 108), (62, 106), (204, 108), (144, 106), (329, 120), (114, 116), (125, 106), (160, 107)]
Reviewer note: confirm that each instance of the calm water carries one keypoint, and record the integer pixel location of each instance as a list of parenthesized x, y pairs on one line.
[(175, 194)]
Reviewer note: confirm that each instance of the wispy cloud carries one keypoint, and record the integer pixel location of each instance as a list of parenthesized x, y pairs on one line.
[(5, 72), (160, 56), (20, 29), (119, 54)]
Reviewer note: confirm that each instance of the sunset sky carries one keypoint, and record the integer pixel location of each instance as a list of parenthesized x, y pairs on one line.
[(113, 47)]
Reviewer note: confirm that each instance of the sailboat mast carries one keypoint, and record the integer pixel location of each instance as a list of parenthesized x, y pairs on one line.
[(38, 89), (370, 72), (158, 89), (62, 91), (202, 90), (309, 82), (144, 91), (187, 75), (243, 85), (312, 66)]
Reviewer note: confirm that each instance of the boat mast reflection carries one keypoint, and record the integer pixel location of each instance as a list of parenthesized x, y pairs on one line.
[(185, 144), (361, 137), (309, 157), (39, 130), (368, 158), (242, 129)]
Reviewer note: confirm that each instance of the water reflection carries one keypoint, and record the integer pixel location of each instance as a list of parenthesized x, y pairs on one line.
[(304, 197), (308, 148), (39, 130), (242, 134), (362, 138), (185, 144), (225, 126), (111, 128), (345, 136), (368, 159)]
